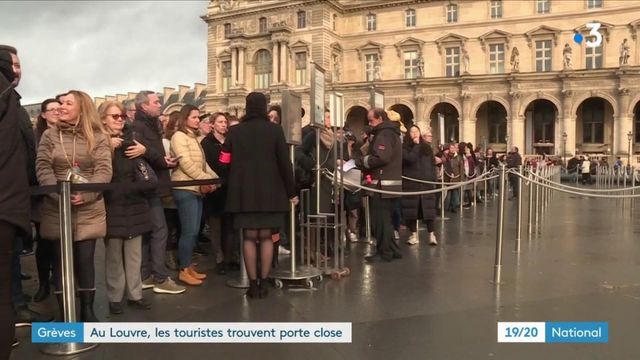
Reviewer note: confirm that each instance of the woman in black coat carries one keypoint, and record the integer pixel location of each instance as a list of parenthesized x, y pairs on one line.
[(127, 214), (418, 162), (260, 186)]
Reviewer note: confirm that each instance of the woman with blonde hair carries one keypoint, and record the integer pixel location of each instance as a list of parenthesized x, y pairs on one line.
[(127, 211), (189, 199), (76, 148)]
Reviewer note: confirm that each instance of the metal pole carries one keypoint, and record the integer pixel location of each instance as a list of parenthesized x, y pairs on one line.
[(497, 269), (537, 200), (486, 189), (530, 214), (242, 281), (442, 195), (633, 185), (68, 282), (367, 218), (519, 223), (292, 215), (317, 171)]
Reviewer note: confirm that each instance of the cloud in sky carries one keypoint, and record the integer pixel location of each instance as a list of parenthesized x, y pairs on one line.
[(105, 47)]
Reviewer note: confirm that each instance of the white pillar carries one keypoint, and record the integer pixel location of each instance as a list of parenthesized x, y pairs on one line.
[(274, 70), (241, 66), (569, 123), (517, 134), (283, 62), (234, 67)]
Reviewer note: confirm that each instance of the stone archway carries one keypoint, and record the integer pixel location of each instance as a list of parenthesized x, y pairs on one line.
[(406, 115), (491, 126), (451, 123), (541, 120), (356, 119), (594, 126)]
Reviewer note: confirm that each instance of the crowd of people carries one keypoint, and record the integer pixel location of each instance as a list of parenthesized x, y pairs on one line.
[(247, 185)]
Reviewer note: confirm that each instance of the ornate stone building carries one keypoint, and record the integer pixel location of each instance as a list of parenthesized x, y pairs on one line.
[(501, 72)]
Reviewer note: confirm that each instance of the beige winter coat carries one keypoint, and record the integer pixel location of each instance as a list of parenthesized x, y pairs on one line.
[(88, 219), (192, 165)]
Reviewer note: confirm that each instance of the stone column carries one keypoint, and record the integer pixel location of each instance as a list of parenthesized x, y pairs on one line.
[(420, 119), (568, 122), (283, 62), (467, 124), (274, 69), (516, 124), (241, 66), (234, 67), (622, 124)]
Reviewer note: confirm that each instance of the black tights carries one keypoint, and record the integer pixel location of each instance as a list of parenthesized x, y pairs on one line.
[(45, 258), (7, 329), (249, 246), (83, 265)]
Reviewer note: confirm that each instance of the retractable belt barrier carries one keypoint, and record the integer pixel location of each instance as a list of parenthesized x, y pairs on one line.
[(122, 187)]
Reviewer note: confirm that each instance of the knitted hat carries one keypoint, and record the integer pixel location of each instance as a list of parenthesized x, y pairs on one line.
[(256, 104)]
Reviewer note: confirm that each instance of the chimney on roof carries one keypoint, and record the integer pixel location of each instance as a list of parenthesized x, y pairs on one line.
[(110, 98), (131, 95), (166, 92), (98, 101), (121, 97), (199, 89), (182, 90)]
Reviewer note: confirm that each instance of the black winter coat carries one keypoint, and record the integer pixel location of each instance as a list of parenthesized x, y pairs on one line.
[(148, 131), (214, 202), (14, 182), (418, 162), (127, 212), (260, 172), (383, 163)]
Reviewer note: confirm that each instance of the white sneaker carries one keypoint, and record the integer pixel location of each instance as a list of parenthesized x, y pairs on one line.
[(412, 239), (432, 239), (353, 237), (396, 234), (283, 251)]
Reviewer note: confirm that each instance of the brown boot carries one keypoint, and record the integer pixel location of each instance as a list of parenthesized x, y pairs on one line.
[(186, 277), (195, 274)]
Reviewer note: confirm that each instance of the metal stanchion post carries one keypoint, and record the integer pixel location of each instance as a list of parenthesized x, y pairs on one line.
[(292, 217), (530, 214), (497, 270), (367, 218), (442, 196), (242, 281), (68, 283), (633, 187), (418, 230), (473, 194), (461, 195), (486, 188), (519, 223), (537, 200)]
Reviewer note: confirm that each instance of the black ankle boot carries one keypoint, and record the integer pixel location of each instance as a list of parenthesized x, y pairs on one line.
[(86, 306), (43, 292), (254, 290), (264, 288)]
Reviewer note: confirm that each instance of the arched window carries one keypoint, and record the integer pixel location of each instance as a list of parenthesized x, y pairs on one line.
[(263, 69)]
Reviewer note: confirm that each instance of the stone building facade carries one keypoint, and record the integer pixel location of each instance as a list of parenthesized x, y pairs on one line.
[(502, 73)]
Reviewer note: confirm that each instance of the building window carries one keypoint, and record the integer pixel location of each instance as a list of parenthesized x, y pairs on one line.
[(263, 25), (227, 30), (497, 120), (371, 22), (594, 57), (594, 4), (410, 18), (226, 75), (593, 121), (370, 66), (335, 21), (302, 19), (263, 69), (543, 55), (452, 13), (301, 68), (496, 9), (496, 58), (452, 61), (410, 64), (543, 6)]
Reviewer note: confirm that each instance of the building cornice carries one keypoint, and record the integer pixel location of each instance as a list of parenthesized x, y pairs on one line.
[(269, 7)]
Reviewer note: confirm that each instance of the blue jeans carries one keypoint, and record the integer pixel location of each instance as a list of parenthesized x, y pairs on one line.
[(452, 201), (189, 206)]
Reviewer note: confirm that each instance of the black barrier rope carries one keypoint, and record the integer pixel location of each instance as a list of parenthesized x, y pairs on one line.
[(123, 187)]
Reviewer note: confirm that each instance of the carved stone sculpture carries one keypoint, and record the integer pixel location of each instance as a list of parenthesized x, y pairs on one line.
[(567, 56), (515, 60), (625, 51)]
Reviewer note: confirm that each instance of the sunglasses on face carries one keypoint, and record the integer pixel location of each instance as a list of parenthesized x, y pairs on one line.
[(117, 116)]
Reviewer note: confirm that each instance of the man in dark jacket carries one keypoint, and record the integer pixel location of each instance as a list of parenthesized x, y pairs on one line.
[(382, 168), (148, 131), (513, 161), (24, 315)]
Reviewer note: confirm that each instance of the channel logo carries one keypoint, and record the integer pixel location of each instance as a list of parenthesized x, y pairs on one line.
[(595, 38)]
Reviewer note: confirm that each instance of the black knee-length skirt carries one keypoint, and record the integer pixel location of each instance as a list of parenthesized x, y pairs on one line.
[(259, 220)]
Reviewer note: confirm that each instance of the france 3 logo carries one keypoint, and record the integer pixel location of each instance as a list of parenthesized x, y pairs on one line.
[(594, 37)]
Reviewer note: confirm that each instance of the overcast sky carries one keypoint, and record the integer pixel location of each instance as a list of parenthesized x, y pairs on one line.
[(105, 47)]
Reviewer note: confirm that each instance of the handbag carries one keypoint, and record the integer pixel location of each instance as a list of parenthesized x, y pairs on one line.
[(144, 172)]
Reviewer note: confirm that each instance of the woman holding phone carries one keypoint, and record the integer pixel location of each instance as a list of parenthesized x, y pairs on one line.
[(189, 199)]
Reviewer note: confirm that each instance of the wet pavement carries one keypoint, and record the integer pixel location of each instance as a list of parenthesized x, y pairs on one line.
[(435, 303)]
